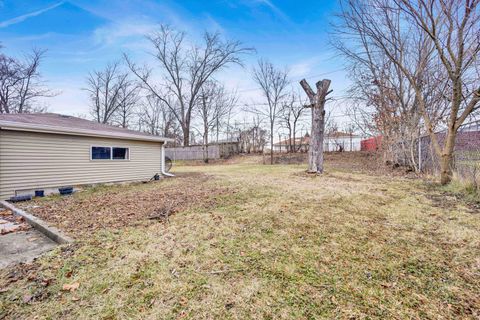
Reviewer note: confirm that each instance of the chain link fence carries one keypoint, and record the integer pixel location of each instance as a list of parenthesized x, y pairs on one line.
[(466, 163)]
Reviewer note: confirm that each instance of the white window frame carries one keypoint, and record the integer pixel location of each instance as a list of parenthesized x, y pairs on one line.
[(111, 153)]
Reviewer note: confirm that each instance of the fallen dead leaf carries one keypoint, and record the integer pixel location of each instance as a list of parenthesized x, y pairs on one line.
[(27, 298), (71, 287), (183, 301)]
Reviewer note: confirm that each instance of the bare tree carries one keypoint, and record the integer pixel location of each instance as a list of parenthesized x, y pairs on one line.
[(156, 118), (350, 129), (21, 83), (251, 137), (331, 133), (382, 100), (421, 35), (128, 99), (292, 111), (273, 83), (215, 104), (108, 90), (185, 69)]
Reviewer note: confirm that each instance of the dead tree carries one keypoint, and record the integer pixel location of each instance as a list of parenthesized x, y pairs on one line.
[(317, 103)]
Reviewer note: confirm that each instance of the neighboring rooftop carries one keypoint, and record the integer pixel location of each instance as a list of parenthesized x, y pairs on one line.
[(340, 134), (298, 141), (63, 124)]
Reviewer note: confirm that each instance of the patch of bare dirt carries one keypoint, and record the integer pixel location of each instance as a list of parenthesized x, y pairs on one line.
[(118, 206), (363, 162)]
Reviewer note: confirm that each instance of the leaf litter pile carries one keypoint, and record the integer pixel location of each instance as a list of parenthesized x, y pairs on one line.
[(118, 206), (10, 223)]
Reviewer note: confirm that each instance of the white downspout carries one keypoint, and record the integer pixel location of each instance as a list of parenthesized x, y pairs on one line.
[(163, 162)]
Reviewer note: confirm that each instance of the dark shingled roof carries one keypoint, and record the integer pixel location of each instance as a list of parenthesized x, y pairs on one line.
[(71, 124)]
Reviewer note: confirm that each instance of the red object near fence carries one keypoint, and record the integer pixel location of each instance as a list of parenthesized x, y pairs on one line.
[(371, 144)]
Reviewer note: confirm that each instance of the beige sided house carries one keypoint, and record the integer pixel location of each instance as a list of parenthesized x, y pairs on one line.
[(45, 151)]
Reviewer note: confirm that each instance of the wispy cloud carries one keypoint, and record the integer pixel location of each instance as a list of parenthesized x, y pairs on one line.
[(304, 67), (213, 25), (115, 31), (24, 17), (275, 9)]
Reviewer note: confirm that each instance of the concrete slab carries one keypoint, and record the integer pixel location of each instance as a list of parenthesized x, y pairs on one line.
[(40, 225), (23, 246)]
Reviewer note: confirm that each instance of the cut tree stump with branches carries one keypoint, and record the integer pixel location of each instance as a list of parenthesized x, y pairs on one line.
[(317, 103)]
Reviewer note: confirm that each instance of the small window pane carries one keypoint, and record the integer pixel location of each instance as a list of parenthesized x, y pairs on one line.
[(120, 153), (101, 153)]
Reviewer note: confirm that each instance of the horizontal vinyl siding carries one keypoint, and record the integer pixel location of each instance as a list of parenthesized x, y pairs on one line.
[(42, 160)]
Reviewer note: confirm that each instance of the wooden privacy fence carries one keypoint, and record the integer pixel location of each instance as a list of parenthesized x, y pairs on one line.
[(215, 151)]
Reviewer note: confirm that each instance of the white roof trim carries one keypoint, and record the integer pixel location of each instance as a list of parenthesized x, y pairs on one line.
[(20, 126)]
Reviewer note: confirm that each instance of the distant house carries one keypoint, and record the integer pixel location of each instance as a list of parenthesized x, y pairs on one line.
[(335, 141), (342, 141), (301, 144), (47, 151)]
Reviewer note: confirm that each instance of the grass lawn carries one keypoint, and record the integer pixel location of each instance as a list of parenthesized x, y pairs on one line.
[(256, 241)]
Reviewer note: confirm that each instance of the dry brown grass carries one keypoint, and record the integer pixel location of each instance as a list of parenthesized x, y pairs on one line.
[(280, 244)]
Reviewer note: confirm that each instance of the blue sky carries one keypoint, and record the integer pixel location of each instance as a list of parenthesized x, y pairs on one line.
[(82, 36)]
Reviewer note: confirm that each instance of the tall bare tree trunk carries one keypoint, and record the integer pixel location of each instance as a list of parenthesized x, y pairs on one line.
[(315, 151)]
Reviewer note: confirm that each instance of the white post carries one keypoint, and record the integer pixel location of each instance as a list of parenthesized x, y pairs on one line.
[(162, 156)]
